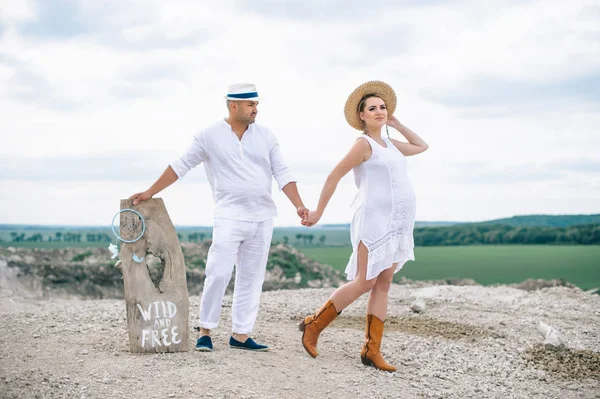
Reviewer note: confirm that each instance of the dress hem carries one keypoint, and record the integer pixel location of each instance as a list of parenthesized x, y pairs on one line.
[(398, 250)]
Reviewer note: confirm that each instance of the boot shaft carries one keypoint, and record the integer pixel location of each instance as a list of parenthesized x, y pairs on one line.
[(323, 317), (312, 326), (371, 354), (373, 332)]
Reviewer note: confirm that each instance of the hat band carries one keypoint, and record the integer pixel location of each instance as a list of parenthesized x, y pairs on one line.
[(243, 95)]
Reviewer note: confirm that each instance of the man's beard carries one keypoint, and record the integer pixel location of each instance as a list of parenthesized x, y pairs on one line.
[(249, 120)]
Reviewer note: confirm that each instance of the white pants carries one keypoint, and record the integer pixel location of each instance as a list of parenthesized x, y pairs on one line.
[(247, 245)]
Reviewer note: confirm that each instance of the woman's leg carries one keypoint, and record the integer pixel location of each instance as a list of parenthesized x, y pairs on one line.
[(311, 326), (349, 292), (378, 298), (376, 312)]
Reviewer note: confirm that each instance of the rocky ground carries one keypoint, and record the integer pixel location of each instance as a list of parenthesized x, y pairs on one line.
[(471, 342)]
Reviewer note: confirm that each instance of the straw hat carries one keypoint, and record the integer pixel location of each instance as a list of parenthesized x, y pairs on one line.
[(381, 89)]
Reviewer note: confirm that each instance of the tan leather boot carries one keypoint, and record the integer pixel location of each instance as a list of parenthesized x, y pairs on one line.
[(370, 355), (312, 326)]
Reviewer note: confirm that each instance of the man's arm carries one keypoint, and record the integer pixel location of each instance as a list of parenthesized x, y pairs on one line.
[(291, 191), (167, 178), (192, 157), (283, 176)]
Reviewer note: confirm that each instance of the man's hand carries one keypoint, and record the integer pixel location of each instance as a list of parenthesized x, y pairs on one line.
[(302, 212), (139, 197), (312, 219)]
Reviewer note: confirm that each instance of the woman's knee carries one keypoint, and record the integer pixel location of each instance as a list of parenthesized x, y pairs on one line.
[(367, 285), (382, 285)]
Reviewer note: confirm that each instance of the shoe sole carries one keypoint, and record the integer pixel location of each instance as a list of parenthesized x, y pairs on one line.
[(204, 349), (248, 349)]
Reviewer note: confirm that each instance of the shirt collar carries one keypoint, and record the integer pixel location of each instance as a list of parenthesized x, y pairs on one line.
[(228, 126)]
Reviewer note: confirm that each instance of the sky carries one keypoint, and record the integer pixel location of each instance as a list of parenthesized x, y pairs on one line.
[(97, 97)]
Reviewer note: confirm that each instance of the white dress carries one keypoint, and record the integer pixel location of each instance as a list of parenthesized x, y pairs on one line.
[(385, 211)]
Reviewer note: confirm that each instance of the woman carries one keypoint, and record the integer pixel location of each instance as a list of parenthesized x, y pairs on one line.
[(382, 227)]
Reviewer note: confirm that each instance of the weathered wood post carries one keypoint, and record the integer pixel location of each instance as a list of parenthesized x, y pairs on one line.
[(157, 314)]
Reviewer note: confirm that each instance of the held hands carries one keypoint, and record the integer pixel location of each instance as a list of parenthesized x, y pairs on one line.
[(139, 197), (311, 219), (302, 212)]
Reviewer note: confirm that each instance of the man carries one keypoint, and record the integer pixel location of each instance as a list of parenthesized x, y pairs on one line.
[(240, 159)]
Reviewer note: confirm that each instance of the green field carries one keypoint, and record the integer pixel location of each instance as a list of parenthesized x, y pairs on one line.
[(488, 264)]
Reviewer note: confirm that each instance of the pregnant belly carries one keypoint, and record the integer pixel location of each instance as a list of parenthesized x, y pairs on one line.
[(405, 204), (401, 196)]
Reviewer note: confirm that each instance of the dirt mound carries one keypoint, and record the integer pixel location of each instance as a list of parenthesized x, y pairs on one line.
[(570, 363), (86, 272), (91, 273), (537, 284), (424, 326)]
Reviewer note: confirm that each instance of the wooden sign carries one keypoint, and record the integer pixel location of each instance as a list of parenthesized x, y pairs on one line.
[(157, 311)]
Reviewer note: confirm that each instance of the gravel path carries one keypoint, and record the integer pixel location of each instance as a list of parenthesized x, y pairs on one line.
[(472, 342)]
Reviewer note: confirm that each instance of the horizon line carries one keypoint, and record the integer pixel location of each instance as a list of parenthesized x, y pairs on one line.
[(300, 226)]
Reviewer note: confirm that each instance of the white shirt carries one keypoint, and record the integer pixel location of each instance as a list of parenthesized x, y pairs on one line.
[(240, 172)]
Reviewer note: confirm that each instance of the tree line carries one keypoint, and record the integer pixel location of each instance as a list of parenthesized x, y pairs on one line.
[(462, 234), (472, 234), (307, 239), (60, 236)]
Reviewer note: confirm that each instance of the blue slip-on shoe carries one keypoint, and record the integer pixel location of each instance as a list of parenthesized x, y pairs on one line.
[(204, 344), (249, 345)]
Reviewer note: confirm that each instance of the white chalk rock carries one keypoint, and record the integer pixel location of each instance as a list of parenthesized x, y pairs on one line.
[(552, 341), (418, 306)]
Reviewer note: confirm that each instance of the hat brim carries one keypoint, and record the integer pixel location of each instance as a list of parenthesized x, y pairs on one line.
[(381, 89), (242, 99)]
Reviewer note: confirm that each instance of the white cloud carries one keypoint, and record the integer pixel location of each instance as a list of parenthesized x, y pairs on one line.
[(17, 11), (494, 83)]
